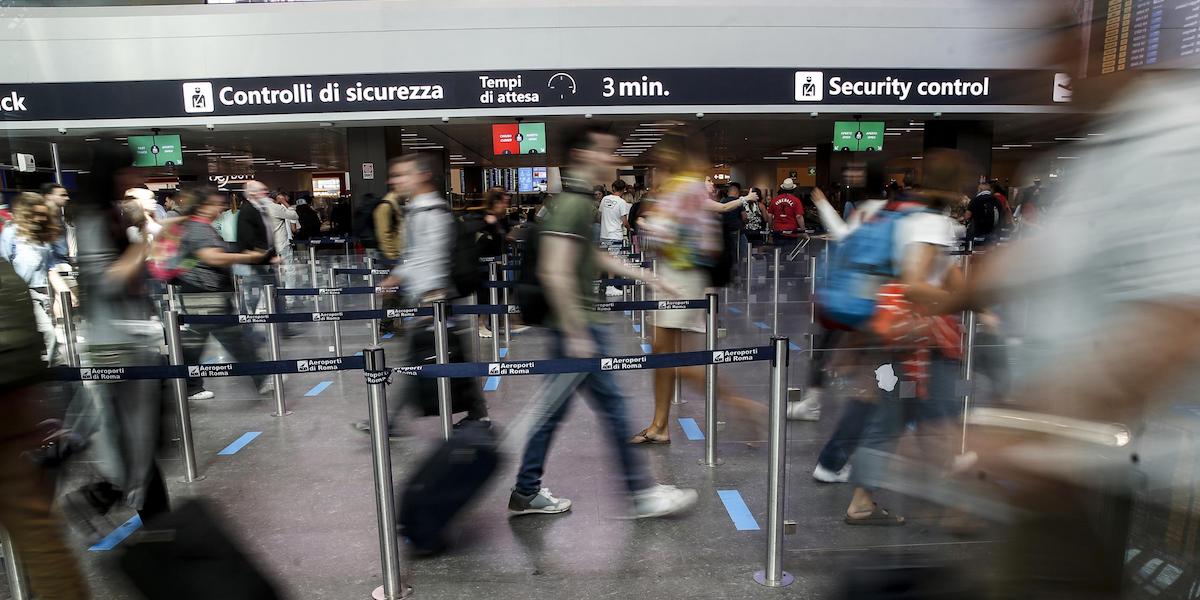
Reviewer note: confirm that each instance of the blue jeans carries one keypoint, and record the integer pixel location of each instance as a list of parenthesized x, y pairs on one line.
[(607, 400), (846, 436)]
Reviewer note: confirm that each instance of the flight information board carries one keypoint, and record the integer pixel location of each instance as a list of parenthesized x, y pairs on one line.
[(1133, 34)]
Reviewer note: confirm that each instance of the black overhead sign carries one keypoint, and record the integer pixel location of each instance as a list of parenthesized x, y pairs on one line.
[(522, 89)]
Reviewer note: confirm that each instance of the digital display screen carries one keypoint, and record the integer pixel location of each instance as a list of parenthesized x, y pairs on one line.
[(518, 138), (1133, 34), (156, 150), (858, 136)]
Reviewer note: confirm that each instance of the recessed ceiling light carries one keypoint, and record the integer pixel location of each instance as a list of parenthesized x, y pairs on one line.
[(91, 139), (1068, 157), (775, 158), (892, 133), (1069, 139), (235, 155), (1018, 145), (918, 158), (120, 139), (1000, 148), (1095, 134), (427, 147)]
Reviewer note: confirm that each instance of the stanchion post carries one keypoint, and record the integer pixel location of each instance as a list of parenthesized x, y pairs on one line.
[(494, 319), (393, 587), (335, 304), (653, 315), (68, 317), (968, 365), (504, 298), (441, 345), (749, 267), (775, 295), (273, 345), (349, 260), (812, 289), (710, 386), (774, 575), (18, 584), (312, 265), (179, 390), (372, 301)]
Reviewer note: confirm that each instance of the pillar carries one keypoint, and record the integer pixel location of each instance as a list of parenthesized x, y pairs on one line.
[(973, 138)]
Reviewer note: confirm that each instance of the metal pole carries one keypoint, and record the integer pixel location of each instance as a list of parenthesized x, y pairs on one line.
[(373, 301), (179, 389), (335, 304), (273, 342), (749, 267), (504, 297), (348, 255), (441, 345), (968, 359), (494, 319), (710, 386), (18, 585), (68, 317), (775, 296), (381, 461), (812, 290), (642, 313), (653, 315), (774, 575), (312, 265), (239, 298)]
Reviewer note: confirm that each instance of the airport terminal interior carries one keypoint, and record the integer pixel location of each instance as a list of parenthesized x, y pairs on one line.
[(841, 300)]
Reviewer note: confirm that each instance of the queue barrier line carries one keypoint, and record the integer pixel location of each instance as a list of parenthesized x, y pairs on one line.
[(359, 271), (269, 367), (606, 364), (337, 291), (425, 311), (619, 281)]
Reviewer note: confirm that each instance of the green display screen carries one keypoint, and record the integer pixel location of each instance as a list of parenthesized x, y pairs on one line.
[(856, 136), (156, 150)]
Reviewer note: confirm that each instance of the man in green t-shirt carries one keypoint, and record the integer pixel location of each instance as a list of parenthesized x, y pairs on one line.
[(568, 264)]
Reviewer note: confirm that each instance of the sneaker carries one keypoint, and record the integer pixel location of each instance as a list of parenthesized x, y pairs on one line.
[(662, 500), (202, 395), (826, 476), (613, 291), (541, 503), (807, 409), (485, 333)]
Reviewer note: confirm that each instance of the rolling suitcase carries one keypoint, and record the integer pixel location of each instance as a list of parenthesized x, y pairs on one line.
[(446, 482), (464, 391), (186, 555)]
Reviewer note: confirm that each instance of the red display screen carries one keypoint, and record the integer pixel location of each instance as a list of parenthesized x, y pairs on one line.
[(505, 139)]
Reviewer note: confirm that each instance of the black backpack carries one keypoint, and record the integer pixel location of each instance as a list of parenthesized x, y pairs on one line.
[(364, 221), (465, 277), (530, 295)]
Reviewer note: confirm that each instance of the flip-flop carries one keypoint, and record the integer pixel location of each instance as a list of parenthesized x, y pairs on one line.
[(879, 517), (642, 438)]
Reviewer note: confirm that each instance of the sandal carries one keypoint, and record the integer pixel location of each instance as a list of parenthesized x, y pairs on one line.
[(643, 437), (879, 517)]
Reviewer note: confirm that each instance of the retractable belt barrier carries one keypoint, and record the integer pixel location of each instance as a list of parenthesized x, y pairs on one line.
[(269, 367), (327, 241), (613, 282), (591, 365), (337, 291), (349, 271)]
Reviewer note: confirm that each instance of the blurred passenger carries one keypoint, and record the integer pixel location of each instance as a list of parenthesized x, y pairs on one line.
[(254, 235), (364, 224), (731, 226), (8, 237), (755, 215), (683, 230), (282, 220), (424, 274), (492, 232), (32, 258), (310, 221), (226, 224), (59, 200), (26, 494), (614, 220), (120, 332), (636, 210), (982, 217), (568, 265), (388, 219), (207, 286)]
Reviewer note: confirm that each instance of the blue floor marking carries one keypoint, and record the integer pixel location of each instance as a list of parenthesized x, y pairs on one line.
[(637, 328), (239, 443), (118, 535), (646, 348), (738, 511), (317, 389), (492, 384), (735, 310), (691, 429), (388, 336), (794, 346), (359, 353), (503, 352), (762, 325)]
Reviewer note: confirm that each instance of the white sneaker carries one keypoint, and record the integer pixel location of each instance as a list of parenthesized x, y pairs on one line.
[(662, 500), (826, 476), (807, 409), (485, 333), (541, 503), (613, 291), (202, 395)]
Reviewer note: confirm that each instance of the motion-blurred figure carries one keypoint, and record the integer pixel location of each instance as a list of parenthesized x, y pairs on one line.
[(26, 493), (32, 257), (568, 265)]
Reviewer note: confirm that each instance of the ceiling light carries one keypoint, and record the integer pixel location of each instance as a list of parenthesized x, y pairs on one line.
[(641, 134), (120, 139), (326, 124), (1069, 139), (408, 135), (660, 124), (892, 133), (918, 157), (235, 155), (1095, 134), (427, 147), (1018, 145), (1068, 157), (1000, 148), (91, 139), (652, 129), (916, 124), (775, 158)]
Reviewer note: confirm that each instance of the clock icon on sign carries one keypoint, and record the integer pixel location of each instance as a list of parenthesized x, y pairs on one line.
[(563, 84)]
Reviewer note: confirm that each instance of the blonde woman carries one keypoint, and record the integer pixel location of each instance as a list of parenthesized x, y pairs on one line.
[(32, 256)]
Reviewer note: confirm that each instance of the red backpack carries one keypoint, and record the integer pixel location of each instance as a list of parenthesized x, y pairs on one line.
[(164, 263)]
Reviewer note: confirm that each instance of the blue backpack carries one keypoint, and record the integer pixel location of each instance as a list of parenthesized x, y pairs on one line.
[(858, 266)]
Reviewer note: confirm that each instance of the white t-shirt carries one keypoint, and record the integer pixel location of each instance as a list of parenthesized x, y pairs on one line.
[(612, 210), (925, 228)]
